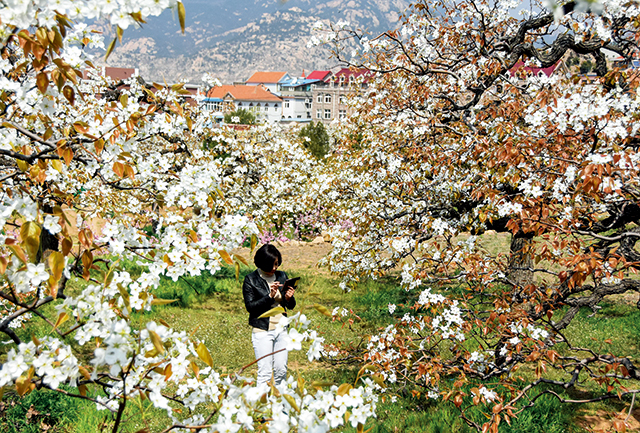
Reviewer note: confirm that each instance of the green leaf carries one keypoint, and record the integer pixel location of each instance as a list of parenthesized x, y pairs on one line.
[(321, 383), (112, 45), (160, 301), (204, 355), (323, 310), (241, 259), (63, 317), (17, 251), (125, 296), (292, 402), (344, 389), (181, 16), (56, 264), (42, 81), (69, 93), (272, 312), (30, 234), (226, 257), (157, 342), (366, 369), (110, 274)]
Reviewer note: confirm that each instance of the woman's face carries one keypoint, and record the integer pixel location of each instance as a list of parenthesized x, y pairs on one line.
[(273, 269)]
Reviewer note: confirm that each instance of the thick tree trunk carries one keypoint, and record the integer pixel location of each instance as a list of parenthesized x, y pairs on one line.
[(520, 272)]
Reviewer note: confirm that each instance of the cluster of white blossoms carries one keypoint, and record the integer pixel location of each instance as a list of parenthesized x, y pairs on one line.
[(150, 183), (294, 408), (449, 323), (52, 360), (42, 13), (486, 394), (177, 195), (528, 330)]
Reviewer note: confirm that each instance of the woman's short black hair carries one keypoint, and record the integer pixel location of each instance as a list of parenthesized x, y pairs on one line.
[(266, 256)]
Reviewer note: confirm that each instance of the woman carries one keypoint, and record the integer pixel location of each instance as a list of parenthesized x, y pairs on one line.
[(263, 290)]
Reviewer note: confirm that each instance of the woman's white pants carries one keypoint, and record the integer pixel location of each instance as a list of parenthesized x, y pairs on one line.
[(265, 343)]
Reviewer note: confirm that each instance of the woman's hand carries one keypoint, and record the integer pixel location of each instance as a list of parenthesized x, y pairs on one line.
[(289, 294), (275, 287)]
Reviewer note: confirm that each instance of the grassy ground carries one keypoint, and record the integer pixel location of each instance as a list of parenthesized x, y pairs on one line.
[(218, 317)]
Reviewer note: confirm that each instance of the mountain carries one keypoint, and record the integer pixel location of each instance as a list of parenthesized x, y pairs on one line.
[(231, 39)]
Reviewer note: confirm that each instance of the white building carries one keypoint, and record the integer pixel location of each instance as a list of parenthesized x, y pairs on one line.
[(265, 105)]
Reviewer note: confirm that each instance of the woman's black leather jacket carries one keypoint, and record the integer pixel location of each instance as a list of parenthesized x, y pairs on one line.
[(255, 291)]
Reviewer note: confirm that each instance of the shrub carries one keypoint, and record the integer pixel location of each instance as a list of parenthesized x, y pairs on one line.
[(240, 117), (315, 139)]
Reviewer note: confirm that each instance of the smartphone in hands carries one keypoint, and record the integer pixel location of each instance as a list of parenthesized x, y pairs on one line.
[(291, 282)]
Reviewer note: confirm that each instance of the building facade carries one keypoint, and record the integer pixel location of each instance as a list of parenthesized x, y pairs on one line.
[(297, 98), (266, 106), (330, 93)]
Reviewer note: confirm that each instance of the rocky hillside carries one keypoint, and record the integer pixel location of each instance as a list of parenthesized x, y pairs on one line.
[(233, 38)]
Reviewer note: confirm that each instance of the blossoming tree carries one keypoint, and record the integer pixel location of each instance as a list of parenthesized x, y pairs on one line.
[(171, 192), (459, 136)]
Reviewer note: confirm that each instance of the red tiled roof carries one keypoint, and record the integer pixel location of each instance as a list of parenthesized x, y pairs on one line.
[(243, 93), (266, 77), (318, 75), (520, 65), (348, 74)]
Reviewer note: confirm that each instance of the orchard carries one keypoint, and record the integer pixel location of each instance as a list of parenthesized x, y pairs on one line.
[(453, 141)]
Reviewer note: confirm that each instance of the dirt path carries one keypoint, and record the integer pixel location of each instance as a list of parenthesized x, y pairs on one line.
[(300, 256)]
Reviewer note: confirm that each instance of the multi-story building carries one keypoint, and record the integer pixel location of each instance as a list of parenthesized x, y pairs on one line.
[(276, 97), (224, 99), (329, 94), (297, 98)]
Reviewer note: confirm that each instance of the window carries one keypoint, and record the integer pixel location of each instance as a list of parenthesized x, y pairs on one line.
[(307, 104), (286, 104), (343, 100), (308, 114), (213, 106), (327, 98), (342, 114), (319, 98), (318, 114), (327, 114)]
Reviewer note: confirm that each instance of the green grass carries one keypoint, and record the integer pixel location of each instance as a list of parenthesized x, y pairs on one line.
[(217, 316), (52, 411), (37, 411), (617, 322), (415, 415)]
